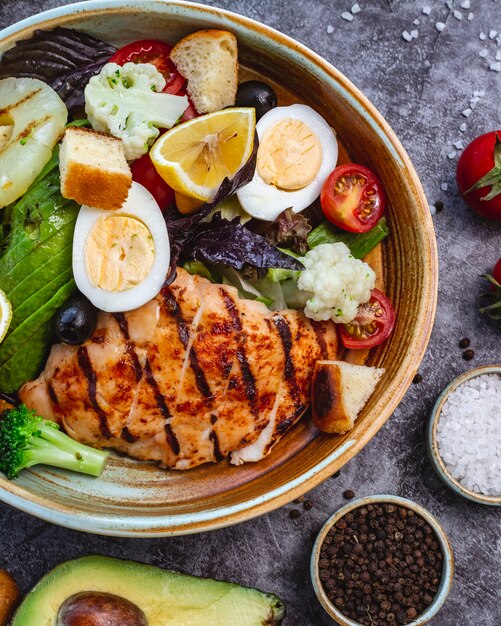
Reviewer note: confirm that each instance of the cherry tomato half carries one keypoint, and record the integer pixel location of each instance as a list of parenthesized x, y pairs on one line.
[(144, 172), (190, 112), (353, 198), (373, 324), (480, 163), (157, 53)]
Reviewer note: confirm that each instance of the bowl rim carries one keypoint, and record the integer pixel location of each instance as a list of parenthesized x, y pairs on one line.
[(432, 443), (447, 568), (175, 524)]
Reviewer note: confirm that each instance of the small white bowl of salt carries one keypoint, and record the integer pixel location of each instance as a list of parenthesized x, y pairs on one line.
[(464, 435)]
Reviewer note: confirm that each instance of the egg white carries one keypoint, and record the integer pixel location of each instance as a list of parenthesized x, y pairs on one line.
[(264, 201), (143, 206)]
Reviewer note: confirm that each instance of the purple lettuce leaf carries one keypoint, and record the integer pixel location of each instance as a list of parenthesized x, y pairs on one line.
[(65, 59)]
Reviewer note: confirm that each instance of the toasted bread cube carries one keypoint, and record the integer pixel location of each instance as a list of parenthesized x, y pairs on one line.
[(339, 392), (208, 59), (94, 170)]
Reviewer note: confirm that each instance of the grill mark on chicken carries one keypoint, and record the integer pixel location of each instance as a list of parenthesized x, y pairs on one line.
[(90, 375), (320, 337), (284, 332), (247, 375), (130, 348), (215, 441), (128, 436), (172, 306), (52, 394), (163, 408)]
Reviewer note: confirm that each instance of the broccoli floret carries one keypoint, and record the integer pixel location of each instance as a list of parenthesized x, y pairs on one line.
[(27, 439)]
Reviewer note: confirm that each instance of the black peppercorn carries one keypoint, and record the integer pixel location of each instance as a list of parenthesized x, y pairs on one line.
[(349, 494), (468, 355), (392, 572), (295, 513)]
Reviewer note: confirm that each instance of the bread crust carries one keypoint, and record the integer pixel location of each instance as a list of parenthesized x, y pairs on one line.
[(327, 404), (92, 184), (95, 187)]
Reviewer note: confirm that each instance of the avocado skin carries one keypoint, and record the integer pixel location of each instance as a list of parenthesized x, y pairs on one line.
[(166, 598)]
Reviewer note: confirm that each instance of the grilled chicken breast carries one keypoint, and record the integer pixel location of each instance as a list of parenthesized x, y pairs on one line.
[(195, 375)]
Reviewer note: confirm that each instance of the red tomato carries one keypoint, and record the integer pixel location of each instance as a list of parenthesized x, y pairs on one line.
[(479, 175), (373, 324), (353, 198), (156, 52), (190, 112), (144, 172)]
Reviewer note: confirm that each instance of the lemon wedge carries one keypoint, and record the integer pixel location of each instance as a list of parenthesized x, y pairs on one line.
[(5, 315), (195, 157)]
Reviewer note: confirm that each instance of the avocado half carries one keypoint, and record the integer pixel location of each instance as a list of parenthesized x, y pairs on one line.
[(165, 597)]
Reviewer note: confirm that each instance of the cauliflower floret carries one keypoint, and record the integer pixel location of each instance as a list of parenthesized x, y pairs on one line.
[(126, 101), (338, 283)]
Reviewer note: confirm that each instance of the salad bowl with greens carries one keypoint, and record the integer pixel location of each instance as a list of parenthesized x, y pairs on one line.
[(266, 180)]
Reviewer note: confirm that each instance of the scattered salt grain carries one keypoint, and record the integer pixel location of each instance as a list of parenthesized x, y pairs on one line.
[(480, 93), (451, 154), (465, 4), (470, 16), (449, 4), (483, 53), (330, 29), (458, 145), (440, 26), (466, 112), (492, 34), (444, 186), (463, 127), (416, 22), (469, 434), (347, 16), (433, 209), (482, 36), (355, 8), (498, 55), (495, 67), (407, 36), (414, 33), (458, 15), (426, 10)]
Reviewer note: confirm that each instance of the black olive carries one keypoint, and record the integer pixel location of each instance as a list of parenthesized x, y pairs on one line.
[(75, 321), (256, 94)]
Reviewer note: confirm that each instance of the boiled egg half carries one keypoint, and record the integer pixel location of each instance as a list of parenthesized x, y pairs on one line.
[(297, 152), (121, 258)]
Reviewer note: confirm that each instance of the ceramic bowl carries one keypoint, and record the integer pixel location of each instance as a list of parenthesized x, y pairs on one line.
[(138, 499), (432, 444), (447, 570)]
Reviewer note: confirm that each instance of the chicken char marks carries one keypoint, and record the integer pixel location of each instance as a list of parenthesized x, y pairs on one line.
[(195, 375)]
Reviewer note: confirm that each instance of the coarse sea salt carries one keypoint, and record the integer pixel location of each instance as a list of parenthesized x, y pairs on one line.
[(469, 434)]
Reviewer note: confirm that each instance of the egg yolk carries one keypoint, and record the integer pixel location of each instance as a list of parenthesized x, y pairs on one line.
[(119, 253), (289, 155)]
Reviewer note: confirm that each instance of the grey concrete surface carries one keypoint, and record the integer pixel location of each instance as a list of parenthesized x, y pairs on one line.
[(421, 87)]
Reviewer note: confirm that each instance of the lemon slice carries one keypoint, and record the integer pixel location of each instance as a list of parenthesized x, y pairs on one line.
[(195, 157), (5, 315)]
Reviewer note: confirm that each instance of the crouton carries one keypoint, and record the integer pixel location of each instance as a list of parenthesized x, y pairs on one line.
[(208, 59), (339, 392), (94, 170)]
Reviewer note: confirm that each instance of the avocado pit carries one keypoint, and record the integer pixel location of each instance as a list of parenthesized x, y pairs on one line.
[(95, 608)]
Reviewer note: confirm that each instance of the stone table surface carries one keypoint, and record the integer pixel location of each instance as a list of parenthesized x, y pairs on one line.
[(421, 87)]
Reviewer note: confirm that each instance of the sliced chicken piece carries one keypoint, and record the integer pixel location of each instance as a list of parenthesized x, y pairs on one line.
[(196, 375)]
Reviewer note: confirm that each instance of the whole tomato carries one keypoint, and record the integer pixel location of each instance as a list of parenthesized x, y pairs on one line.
[(479, 175)]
